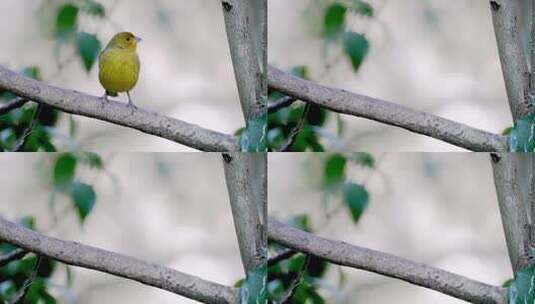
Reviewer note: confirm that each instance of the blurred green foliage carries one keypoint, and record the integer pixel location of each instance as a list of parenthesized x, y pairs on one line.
[(65, 32), (13, 276), (63, 172), (313, 286), (331, 18)]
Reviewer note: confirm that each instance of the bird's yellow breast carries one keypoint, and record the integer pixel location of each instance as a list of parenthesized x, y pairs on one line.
[(118, 69)]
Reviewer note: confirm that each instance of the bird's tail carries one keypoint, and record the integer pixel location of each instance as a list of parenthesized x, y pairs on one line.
[(113, 94)]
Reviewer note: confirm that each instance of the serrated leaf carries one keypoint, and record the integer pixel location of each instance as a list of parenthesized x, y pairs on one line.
[(356, 47), (84, 197), (64, 170), (66, 21), (334, 20), (356, 198), (88, 47)]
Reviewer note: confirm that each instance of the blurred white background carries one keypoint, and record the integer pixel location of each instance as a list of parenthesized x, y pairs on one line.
[(439, 209), (430, 55), (186, 71), (165, 208)]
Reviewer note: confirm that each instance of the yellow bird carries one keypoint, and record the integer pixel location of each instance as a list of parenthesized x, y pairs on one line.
[(119, 65)]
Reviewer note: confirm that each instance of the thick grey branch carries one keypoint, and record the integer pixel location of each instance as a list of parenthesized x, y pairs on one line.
[(386, 264), (245, 25), (513, 188), (506, 20), (386, 112), (117, 113), (245, 175), (117, 264)]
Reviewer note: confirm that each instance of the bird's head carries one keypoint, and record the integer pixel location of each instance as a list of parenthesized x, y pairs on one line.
[(124, 40)]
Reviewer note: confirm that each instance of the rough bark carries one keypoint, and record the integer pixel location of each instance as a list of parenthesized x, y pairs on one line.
[(512, 178), (386, 264), (386, 112), (76, 254), (246, 178), (118, 113)]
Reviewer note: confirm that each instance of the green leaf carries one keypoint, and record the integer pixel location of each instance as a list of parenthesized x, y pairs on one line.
[(300, 221), (364, 159), (94, 8), (66, 21), (300, 71), (88, 47), (356, 47), (507, 131), (93, 160), (334, 170), (64, 170), (356, 198), (32, 72), (522, 136), (83, 197), (27, 222), (361, 7), (334, 20)]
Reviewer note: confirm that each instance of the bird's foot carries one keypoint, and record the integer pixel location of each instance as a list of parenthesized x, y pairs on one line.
[(105, 97), (132, 106)]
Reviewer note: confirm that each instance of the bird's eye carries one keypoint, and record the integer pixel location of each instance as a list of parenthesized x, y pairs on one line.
[(128, 39)]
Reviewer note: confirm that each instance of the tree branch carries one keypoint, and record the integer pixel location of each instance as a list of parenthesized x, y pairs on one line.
[(12, 104), (386, 112), (513, 187), (19, 297), (29, 129), (76, 254), (281, 103), (281, 257), (506, 20), (245, 26), (92, 106), (532, 47), (14, 255), (386, 264), (245, 175)]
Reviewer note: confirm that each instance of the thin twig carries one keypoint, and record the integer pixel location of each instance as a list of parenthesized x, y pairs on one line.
[(295, 131), (16, 254), (285, 299), (20, 144), (12, 104), (281, 257), (281, 103), (19, 298)]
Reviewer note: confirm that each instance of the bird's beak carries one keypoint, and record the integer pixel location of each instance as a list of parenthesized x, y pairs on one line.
[(138, 39)]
